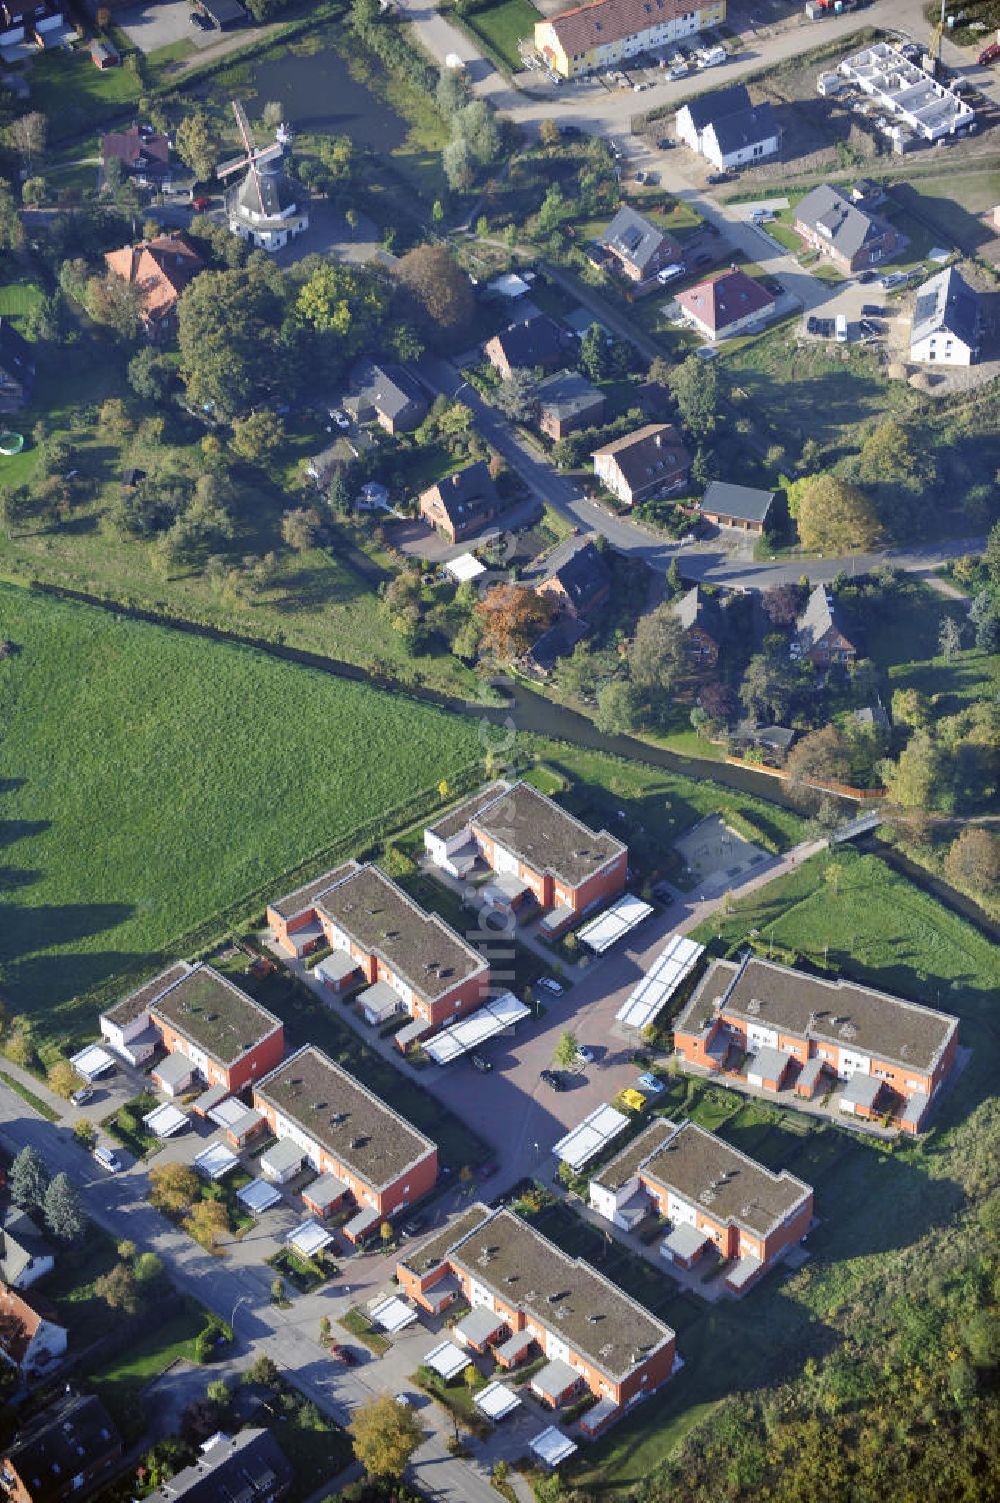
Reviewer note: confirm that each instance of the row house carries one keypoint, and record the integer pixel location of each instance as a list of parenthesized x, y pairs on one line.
[(526, 838), (364, 917), (713, 1196), (606, 33), (779, 1028), (595, 1337), (211, 1030), (379, 1161)]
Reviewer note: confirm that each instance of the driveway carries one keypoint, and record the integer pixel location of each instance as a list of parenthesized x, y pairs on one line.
[(160, 23)]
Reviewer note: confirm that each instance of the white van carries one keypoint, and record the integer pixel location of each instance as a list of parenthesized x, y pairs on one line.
[(108, 1159), (712, 57), (841, 328)]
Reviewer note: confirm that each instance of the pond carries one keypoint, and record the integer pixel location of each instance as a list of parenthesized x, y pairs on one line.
[(318, 94)]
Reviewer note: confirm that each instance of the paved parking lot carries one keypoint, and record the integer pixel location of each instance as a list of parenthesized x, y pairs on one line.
[(159, 23)]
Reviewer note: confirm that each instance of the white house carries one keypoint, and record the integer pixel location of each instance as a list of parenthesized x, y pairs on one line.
[(28, 1342), (946, 321), (727, 130)]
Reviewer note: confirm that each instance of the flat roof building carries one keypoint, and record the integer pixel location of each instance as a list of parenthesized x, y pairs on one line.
[(345, 1130)]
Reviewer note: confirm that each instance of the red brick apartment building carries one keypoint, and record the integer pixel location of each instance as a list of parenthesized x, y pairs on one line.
[(713, 1196), (344, 1130), (199, 1017), (777, 1027), (594, 1336), (360, 912), (525, 836)]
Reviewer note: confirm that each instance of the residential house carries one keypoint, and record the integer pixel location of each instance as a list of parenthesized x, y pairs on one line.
[(339, 456), (577, 576), (773, 741), (161, 269), (341, 1128), (701, 625), (595, 1337), (726, 304), (532, 343), (639, 247), (851, 237), (67, 1451), (818, 633), (567, 401), (650, 462), (771, 1024), (713, 1196), (606, 33), (143, 153), (17, 368), (436, 976), (463, 503), (249, 1467), (25, 1256), (726, 129), (17, 21), (194, 1012), (30, 1340), (947, 323), (103, 54), (519, 832), (388, 395), (739, 506), (555, 643)]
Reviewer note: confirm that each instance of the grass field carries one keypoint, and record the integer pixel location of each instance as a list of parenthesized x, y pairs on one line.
[(154, 778), (75, 95), (500, 24), (120, 1383), (18, 299)]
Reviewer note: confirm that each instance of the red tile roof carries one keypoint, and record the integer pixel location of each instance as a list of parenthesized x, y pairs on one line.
[(162, 268), (590, 26), (725, 299)]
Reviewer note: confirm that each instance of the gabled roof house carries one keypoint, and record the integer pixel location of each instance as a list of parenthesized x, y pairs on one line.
[(639, 247), (818, 633), (650, 462), (535, 342), (66, 1451), (726, 129), (577, 575), (947, 322), (463, 503), (851, 237), (161, 268)]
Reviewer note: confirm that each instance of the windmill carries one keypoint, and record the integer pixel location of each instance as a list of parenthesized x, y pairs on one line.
[(253, 157), (263, 207)]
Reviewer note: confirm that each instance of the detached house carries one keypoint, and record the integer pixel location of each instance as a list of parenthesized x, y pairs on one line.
[(777, 1027), (526, 837), (577, 576), (567, 401), (388, 395), (143, 153), (30, 1341), (640, 248), (818, 634), (527, 1293), (246, 1468), (462, 504), (17, 368), (650, 462), (25, 1256), (725, 304), (533, 343), (946, 321), (727, 130), (852, 238), (161, 269), (713, 1196), (702, 627)]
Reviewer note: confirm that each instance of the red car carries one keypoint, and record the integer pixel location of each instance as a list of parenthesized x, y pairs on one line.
[(200, 203)]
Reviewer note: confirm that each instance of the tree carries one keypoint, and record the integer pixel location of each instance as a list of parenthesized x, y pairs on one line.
[(456, 163), (117, 304), (768, 686), (922, 777), (617, 708), (117, 1288), (910, 708), (126, 1250), (300, 527), (437, 288), (718, 701), (273, 113), (949, 638), (173, 1187), (517, 395), (695, 386), (595, 360), (33, 191), (782, 604), (325, 1330), (85, 1134), (197, 145), (476, 125), (63, 1209), (656, 656), (385, 1435), (151, 375), (257, 436), (26, 136), (549, 133), (888, 455), (63, 1078), (973, 861), (984, 614), (207, 1223), (835, 517), (147, 1268), (511, 617), (29, 1179), (235, 348), (263, 1371), (821, 757), (567, 1049), (991, 557)]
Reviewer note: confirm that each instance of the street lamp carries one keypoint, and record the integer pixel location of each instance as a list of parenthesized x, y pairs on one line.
[(244, 1299)]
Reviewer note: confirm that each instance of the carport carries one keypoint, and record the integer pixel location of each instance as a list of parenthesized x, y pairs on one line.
[(216, 1161), (165, 1120), (552, 1447), (309, 1239), (591, 1136), (392, 1314), (92, 1062), (499, 1014), (324, 1194), (174, 1074), (496, 1401), (675, 961), (612, 925), (447, 1360), (258, 1196)]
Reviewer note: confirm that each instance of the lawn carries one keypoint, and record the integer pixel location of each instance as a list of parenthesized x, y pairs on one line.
[(18, 299), (75, 95), (127, 1126), (500, 23), (119, 1384), (357, 1323), (154, 779)]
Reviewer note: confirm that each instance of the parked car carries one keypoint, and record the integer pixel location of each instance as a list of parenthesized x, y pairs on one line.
[(200, 203), (866, 276), (651, 1084), (413, 1226), (585, 1055), (82, 1096), (874, 310), (202, 22), (679, 70), (662, 894), (107, 1158), (550, 984), (670, 273), (641, 178), (665, 143), (720, 177), (479, 1062), (340, 418), (552, 1079)]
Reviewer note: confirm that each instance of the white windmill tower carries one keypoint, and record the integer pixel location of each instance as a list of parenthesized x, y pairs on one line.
[(264, 208)]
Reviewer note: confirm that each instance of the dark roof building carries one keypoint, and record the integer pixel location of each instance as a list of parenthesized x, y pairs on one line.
[(649, 462), (818, 633), (701, 622), (833, 225), (567, 401), (65, 1452), (640, 247), (736, 506), (249, 1468), (536, 341), (576, 572), (143, 152), (708, 108), (463, 503), (390, 394), (17, 368), (223, 14)]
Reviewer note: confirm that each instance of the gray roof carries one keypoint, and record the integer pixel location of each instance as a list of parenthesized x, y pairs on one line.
[(389, 388), (251, 1466), (693, 608), (466, 494), (840, 1012), (268, 191), (282, 1155), (633, 237), (817, 619), (654, 449), (768, 1063), (215, 1014), (67, 1437), (174, 1071), (479, 1325), (343, 1116), (811, 1071), (740, 501), (567, 394), (578, 565), (711, 108), (915, 1108), (862, 1090), (460, 816), (742, 128), (325, 1190), (946, 305), (531, 341), (138, 1002), (555, 1378), (842, 224), (20, 1243), (545, 836), (304, 898), (686, 1240)]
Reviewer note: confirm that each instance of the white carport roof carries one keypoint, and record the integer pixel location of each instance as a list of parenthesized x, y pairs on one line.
[(612, 925), (92, 1062), (216, 1161), (309, 1238), (165, 1120), (590, 1136), (675, 961), (496, 1401), (228, 1112), (499, 1013), (258, 1196), (447, 1360), (551, 1446), (464, 567), (392, 1314)]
